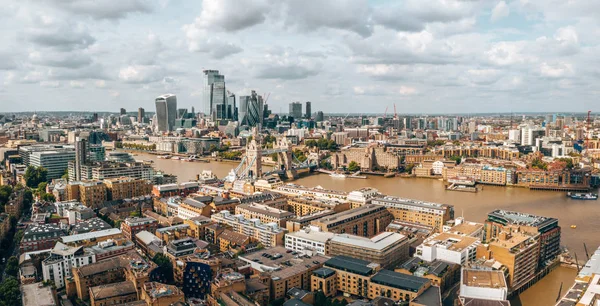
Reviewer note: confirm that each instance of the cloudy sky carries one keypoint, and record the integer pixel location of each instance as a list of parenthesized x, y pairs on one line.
[(427, 56)]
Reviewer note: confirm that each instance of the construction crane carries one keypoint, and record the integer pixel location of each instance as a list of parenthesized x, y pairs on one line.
[(266, 97), (395, 113), (385, 113)]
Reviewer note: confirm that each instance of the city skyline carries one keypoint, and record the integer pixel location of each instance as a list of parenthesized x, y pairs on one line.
[(444, 57)]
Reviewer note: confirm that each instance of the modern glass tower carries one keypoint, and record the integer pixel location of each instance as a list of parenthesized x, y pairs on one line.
[(250, 109), (296, 110), (166, 112), (215, 99)]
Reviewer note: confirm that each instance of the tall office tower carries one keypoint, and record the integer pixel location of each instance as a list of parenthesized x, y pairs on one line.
[(320, 116), (81, 147), (250, 110), (296, 110), (123, 111), (95, 117), (408, 123), (166, 112), (266, 111), (231, 107), (308, 110), (215, 102), (421, 124), (141, 115), (182, 113)]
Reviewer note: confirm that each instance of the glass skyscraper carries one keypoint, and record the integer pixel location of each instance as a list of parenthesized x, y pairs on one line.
[(166, 112), (214, 95), (250, 109)]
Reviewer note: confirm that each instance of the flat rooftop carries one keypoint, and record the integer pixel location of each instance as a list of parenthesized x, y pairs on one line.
[(281, 263), (379, 242), (312, 235), (266, 210), (37, 295), (399, 280), (417, 203), (113, 290), (466, 228), (352, 265), (515, 239), (451, 241), (483, 279), (352, 213), (519, 218), (91, 235)]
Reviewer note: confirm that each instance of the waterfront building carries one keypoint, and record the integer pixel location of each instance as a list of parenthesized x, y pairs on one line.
[(269, 234), (555, 179), (548, 229), (299, 223), (386, 249), (483, 284), (133, 225), (62, 258), (166, 112), (362, 196), (586, 289), (299, 190), (264, 213), (418, 212), (310, 240), (448, 247), (372, 157), (367, 221), (442, 274)]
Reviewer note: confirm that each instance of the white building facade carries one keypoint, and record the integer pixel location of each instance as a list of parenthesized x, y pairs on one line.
[(62, 260)]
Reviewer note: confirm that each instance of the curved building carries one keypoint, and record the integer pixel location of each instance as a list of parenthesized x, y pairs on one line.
[(166, 112)]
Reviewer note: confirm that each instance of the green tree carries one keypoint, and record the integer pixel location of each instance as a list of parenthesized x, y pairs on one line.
[(455, 158), (12, 266), (539, 164), (5, 192), (353, 166), (409, 168), (48, 197), (568, 161), (9, 292), (34, 176), (165, 264)]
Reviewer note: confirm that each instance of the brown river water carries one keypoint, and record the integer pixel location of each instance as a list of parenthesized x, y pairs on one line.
[(473, 206)]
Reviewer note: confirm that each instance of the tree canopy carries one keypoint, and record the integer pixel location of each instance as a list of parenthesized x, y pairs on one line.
[(353, 166), (9, 292), (34, 176)]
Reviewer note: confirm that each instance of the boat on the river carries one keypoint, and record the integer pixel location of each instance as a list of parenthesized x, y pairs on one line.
[(573, 226), (164, 156), (337, 175), (582, 196)]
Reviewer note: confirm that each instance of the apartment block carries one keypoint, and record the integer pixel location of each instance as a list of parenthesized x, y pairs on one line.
[(418, 212), (127, 188), (449, 247), (264, 213), (306, 205), (386, 249), (131, 226), (367, 221), (269, 234)]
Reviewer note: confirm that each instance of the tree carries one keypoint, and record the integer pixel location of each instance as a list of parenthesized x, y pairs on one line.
[(353, 166), (12, 266), (568, 162), (455, 158), (5, 192), (9, 292), (34, 176), (48, 197), (165, 265)]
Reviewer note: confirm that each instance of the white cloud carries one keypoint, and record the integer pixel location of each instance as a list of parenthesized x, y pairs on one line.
[(77, 84), (500, 11), (407, 90), (50, 84), (231, 15), (141, 74), (100, 84), (556, 70)]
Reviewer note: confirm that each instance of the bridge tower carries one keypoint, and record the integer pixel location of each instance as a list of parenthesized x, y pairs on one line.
[(284, 159), (254, 156)]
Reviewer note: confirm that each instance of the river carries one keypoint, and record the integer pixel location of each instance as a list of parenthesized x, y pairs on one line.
[(473, 206)]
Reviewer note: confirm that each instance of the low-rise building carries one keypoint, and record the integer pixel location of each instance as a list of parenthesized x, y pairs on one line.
[(419, 212), (299, 223), (193, 207), (131, 226), (197, 226), (127, 188), (92, 238), (367, 221), (483, 284), (449, 247), (386, 249), (40, 237), (310, 241), (170, 190), (171, 233), (269, 234), (442, 274), (113, 294), (362, 196), (306, 205), (157, 294), (264, 213)]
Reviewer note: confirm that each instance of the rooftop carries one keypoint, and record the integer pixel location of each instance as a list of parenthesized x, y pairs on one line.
[(512, 217), (112, 290), (399, 280), (483, 278), (419, 267), (280, 263), (479, 302), (266, 210), (379, 242), (312, 235), (323, 272), (352, 265), (466, 228), (37, 295), (430, 297), (91, 235), (352, 213), (452, 242), (411, 202), (91, 225)]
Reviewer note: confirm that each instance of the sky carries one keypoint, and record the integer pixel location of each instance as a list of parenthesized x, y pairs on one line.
[(359, 56)]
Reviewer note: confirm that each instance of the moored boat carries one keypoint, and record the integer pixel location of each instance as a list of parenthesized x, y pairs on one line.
[(582, 196)]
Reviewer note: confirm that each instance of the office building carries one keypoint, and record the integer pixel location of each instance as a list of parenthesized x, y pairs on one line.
[(56, 161), (141, 115), (269, 234), (529, 134), (166, 112), (308, 110), (214, 94), (320, 117), (418, 212), (548, 229), (92, 238), (58, 265), (309, 241), (367, 221), (250, 110), (40, 237), (449, 247), (386, 249), (123, 111), (295, 110)]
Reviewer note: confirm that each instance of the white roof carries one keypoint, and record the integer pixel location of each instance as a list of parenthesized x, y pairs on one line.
[(146, 237), (592, 266), (378, 242), (90, 235), (591, 291), (312, 235)]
